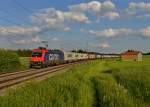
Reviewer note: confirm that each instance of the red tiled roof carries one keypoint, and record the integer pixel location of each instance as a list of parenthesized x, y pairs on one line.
[(131, 53)]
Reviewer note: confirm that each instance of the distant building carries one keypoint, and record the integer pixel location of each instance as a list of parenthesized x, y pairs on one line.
[(131, 55)]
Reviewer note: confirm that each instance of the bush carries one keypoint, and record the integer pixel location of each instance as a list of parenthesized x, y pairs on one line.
[(9, 61)]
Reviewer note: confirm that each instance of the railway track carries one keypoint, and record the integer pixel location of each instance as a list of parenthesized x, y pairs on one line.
[(14, 73), (11, 79)]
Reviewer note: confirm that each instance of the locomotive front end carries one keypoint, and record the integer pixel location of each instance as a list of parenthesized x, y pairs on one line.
[(37, 58)]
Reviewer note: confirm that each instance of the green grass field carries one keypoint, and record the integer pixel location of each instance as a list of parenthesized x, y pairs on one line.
[(95, 84), (146, 57)]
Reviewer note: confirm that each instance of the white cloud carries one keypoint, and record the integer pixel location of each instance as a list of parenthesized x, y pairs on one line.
[(145, 32), (104, 9), (18, 31), (115, 32), (36, 39), (22, 42), (67, 29), (76, 16), (28, 42), (93, 6), (109, 32), (112, 33), (138, 10), (112, 15), (53, 18), (143, 16), (82, 30), (104, 45), (140, 6), (46, 19), (92, 45), (55, 39), (108, 5)]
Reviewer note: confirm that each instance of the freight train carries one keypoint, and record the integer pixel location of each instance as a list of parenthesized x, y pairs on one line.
[(43, 57)]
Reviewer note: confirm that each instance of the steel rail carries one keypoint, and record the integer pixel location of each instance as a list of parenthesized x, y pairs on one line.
[(10, 80)]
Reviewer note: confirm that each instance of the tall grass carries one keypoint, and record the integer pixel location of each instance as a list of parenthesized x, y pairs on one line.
[(71, 89), (95, 84), (137, 82)]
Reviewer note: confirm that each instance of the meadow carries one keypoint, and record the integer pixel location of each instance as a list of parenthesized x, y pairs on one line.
[(146, 57), (98, 83)]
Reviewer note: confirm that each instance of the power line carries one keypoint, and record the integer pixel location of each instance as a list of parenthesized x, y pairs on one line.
[(25, 8), (9, 13), (7, 20)]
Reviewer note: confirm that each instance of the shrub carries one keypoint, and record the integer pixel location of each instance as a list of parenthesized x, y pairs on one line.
[(9, 61)]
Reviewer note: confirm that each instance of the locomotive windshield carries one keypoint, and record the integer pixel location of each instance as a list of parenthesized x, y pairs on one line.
[(36, 54)]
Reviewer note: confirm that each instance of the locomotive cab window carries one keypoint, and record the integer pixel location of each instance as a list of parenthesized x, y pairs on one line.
[(37, 54)]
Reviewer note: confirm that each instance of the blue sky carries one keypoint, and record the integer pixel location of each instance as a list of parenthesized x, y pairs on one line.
[(100, 25)]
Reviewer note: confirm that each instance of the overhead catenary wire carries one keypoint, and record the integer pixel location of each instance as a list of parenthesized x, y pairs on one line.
[(9, 13), (28, 11), (12, 15), (25, 8), (9, 21)]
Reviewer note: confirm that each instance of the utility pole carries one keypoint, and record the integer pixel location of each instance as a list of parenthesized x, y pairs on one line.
[(45, 43), (61, 46), (87, 46)]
